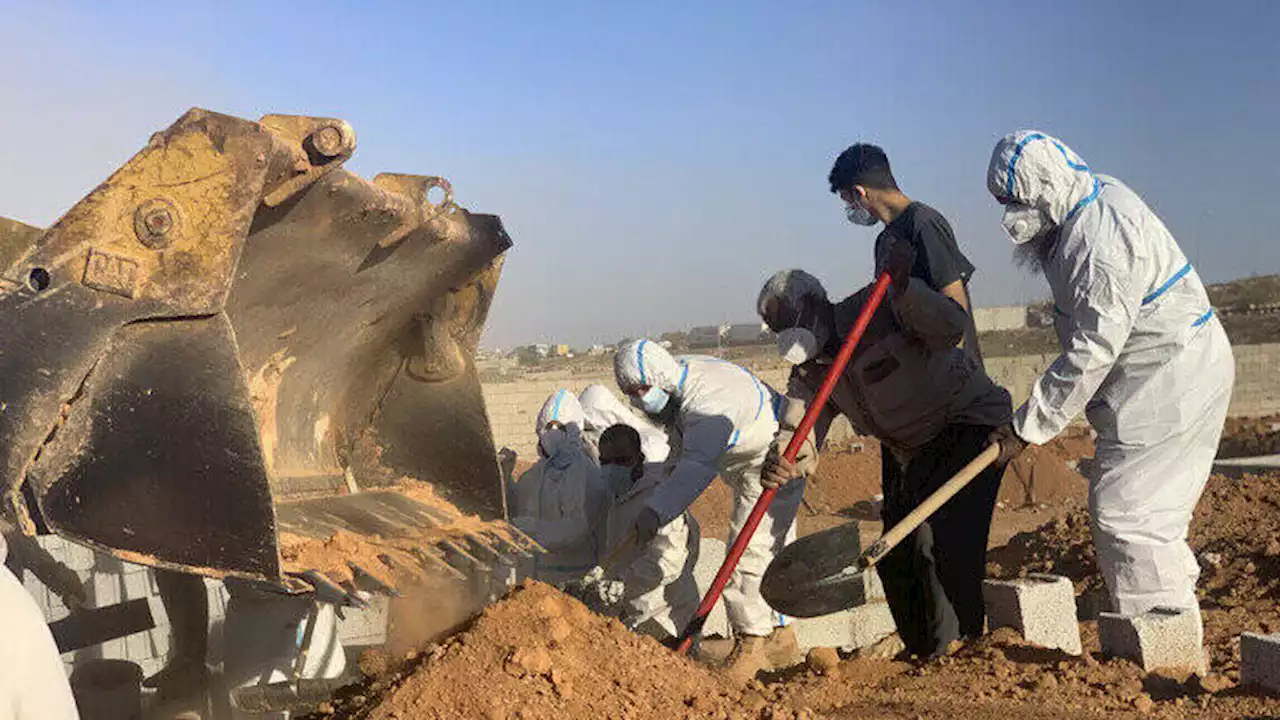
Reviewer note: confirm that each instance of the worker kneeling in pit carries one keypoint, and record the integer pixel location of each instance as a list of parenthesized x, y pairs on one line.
[(720, 419), (659, 595), (561, 502), (932, 408)]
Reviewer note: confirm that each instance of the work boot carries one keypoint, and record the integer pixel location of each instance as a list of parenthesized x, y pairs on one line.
[(782, 649), (747, 659)]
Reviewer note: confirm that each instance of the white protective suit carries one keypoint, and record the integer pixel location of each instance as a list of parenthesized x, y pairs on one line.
[(602, 409), (1142, 355), (725, 422), (659, 595), (263, 632), (561, 501), (33, 683)]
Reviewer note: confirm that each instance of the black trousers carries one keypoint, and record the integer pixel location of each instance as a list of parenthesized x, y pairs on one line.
[(933, 579)]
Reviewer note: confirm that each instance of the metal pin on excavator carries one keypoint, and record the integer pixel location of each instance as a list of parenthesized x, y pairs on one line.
[(233, 339)]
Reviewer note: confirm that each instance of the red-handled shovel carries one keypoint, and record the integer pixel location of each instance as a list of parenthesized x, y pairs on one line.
[(793, 449)]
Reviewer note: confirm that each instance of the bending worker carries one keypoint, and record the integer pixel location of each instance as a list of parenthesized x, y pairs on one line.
[(720, 419), (1142, 355), (601, 409), (560, 502), (932, 407), (659, 594)]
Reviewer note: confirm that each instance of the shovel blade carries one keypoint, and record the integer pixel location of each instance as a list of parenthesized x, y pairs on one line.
[(817, 574)]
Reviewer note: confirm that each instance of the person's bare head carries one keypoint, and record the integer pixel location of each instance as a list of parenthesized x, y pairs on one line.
[(861, 176), (620, 445)]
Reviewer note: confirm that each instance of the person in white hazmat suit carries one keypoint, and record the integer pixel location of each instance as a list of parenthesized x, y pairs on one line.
[(561, 501), (601, 409), (720, 419), (264, 635), (659, 594), (33, 683), (1142, 355)]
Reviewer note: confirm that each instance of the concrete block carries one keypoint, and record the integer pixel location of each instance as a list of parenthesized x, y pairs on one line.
[(80, 558), (136, 585), (365, 626), (1260, 661), (711, 554), (138, 647), (1159, 638), (1040, 607), (847, 630), (105, 589)]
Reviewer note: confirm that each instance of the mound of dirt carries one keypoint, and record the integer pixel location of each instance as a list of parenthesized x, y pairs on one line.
[(1001, 676), (541, 654), (1235, 533)]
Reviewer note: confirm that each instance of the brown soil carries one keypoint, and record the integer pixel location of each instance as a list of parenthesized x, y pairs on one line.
[(1244, 437), (388, 560), (541, 654)]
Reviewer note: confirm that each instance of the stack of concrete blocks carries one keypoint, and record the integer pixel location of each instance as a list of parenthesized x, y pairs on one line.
[(1260, 661), (109, 581), (865, 624), (1161, 638), (1040, 607)]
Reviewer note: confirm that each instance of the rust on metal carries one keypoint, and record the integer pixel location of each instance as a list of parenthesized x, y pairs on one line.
[(232, 323)]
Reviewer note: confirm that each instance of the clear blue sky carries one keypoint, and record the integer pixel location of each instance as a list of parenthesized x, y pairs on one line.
[(655, 162)]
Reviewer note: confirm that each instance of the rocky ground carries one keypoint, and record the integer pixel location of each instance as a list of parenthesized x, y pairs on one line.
[(540, 654)]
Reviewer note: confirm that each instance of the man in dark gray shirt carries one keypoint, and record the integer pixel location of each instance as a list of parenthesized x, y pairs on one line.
[(862, 178), (931, 406)]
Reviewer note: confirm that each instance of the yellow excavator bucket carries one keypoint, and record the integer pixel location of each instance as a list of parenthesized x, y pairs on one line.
[(233, 340)]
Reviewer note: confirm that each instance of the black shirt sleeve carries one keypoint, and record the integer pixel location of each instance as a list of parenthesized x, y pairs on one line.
[(939, 261)]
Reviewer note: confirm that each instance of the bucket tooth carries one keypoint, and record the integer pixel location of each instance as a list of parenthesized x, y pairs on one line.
[(460, 558), (435, 563), (363, 576), (480, 547), (508, 547)]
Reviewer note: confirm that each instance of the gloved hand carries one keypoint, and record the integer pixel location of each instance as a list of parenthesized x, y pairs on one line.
[(611, 591), (777, 471), (647, 525), (507, 461), (901, 258), (1011, 446)]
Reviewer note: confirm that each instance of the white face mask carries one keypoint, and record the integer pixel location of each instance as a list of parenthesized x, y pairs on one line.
[(653, 401), (551, 440), (797, 345), (1024, 223), (618, 478), (858, 214)]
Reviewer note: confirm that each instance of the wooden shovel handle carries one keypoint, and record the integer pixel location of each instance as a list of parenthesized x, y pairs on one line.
[(916, 517)]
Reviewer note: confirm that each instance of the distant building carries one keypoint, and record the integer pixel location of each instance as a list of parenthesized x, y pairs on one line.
[(542, 349), (596, 351), (560, 350), (756, 333), (707, 336)]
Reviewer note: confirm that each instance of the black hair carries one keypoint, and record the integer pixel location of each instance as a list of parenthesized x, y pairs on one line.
[(621, 434), (862, 164)]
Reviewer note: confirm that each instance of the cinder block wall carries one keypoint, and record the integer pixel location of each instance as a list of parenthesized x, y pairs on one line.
[(513, 406)]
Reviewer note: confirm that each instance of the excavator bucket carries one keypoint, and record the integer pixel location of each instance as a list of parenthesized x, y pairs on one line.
[(234, 343)]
